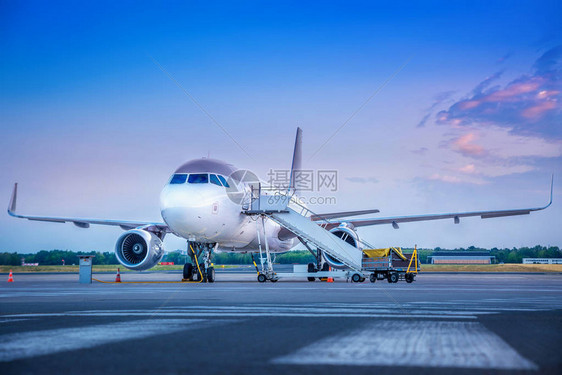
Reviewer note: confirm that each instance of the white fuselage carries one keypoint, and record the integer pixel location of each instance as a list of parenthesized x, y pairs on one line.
[(204, 212)]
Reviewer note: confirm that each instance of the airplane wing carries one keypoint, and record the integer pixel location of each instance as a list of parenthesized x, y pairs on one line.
[(455, 216), (85, 223)]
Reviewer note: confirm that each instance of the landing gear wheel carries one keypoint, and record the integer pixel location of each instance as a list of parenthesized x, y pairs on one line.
[(393, 278), (262, 278), (373, 278), (356, 278), (311, 269), (188, 271), (325, 267), (409, 278), (196, 275), (211, 274)]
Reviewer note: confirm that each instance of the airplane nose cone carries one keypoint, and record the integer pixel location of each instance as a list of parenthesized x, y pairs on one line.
[(188, 209)]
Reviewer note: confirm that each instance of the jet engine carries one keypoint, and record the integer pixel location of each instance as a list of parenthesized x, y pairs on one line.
[(346, 232), (139, 250)]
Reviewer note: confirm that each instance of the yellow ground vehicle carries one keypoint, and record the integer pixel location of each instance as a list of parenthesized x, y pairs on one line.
[(390, 264)]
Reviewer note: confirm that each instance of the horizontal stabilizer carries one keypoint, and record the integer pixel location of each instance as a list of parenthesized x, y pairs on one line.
[(334, 215)]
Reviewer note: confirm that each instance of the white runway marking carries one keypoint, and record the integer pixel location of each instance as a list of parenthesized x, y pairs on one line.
[(413, 343), (2, 321), (32, 344), (243, 314), (456, 309)]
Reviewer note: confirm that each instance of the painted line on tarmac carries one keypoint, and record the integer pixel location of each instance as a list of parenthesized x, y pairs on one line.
[(2, 321), (413, 343), (243, 314), (32, 344)]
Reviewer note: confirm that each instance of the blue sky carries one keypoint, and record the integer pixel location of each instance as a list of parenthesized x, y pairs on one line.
[(92, 127)]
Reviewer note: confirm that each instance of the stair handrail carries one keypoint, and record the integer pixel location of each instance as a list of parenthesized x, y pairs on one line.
[(308, 212)]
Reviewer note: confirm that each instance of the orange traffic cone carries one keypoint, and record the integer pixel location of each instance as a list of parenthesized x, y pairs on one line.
[(11, 277), (118, 277), (330, 279)]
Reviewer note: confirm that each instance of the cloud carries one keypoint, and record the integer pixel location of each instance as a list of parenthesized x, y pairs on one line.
[(466, 146), (421, 124), (454, 179), (497, 143), (363, 180), (420, 151), (486, 83), (469, 169), (504, 58), (480, 154), (438, 99), (529, 104)]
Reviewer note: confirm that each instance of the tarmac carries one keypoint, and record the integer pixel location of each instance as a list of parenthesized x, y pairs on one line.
[(469, 324)]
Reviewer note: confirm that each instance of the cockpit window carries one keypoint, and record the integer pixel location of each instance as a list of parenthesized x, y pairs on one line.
[(214, 179), (223, 180), (198, 178), (178, 179)]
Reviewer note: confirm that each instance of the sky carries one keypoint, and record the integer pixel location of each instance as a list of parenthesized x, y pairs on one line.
[(420, 107)]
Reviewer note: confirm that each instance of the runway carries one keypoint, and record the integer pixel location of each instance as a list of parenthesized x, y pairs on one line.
[(489, 323)]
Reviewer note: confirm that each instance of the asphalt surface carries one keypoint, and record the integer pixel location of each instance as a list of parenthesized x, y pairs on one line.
[(473, 324)]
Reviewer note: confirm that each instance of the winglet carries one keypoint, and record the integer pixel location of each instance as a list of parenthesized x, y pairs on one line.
[(551, 188), (12, 205), (550, 200)]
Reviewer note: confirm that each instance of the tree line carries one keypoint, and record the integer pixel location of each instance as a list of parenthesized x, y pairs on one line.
[(55, 257)]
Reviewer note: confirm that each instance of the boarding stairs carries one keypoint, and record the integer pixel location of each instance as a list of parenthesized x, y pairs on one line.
[(295, 217)]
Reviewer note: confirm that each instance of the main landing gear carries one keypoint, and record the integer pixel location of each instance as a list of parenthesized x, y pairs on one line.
[(200, 269)]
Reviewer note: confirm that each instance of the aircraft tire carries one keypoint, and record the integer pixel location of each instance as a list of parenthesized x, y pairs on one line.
[(188, 271), (211, 274)]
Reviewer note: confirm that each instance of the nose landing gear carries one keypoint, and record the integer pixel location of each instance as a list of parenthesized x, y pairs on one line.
[(199, 252)]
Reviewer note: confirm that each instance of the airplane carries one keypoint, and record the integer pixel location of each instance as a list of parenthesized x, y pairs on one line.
[(206, 202)]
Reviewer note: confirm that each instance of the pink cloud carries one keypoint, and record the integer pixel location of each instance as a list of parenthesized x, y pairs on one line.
[(469, 104), (466, 147), (544, 94), (529, 104), (469, 169), (539, 110), (513, 90)]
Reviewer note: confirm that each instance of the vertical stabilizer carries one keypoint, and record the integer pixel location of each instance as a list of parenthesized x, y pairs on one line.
[(297, 160)]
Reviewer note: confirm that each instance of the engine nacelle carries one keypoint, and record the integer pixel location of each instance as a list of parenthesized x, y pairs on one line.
[(347, 233), (139, 249)]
